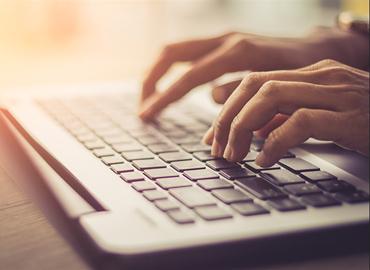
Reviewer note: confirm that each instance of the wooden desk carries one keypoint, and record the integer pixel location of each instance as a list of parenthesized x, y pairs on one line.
[(27, 241)]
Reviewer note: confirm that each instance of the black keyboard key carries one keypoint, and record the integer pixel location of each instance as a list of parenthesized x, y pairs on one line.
[(355, 196), (198, 147), (149, 164), (214, 184), (211, 213), (166, 205), (315, 176), (196, 175), (286, 204), (130, 177), (302, 189), (162, 148), (160, 173), (192, 197), (249, 209), (180, 217), (104, 152), (260, 188), (154, 195), (187, 165), (122, 168), (139, 155), (256, 168), (282, 177), (143, 186), (319, 200), (175, 156), (112, 160), (175, 182), (204, 156), (335, 186), (298, 165), (127, 147), (221, 164), (237, 173), (231, 196)]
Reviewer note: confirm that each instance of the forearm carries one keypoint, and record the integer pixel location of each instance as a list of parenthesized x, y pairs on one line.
[(325, 43)]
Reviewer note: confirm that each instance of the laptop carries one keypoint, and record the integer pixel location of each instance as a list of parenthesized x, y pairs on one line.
[(150, 196)]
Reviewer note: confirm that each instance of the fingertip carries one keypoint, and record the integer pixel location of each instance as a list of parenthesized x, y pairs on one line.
[(208, 137), (263, 160), (218, 95)]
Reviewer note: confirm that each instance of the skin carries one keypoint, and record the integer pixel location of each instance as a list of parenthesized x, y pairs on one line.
[(326, 101), (275, 93), (213, 57)]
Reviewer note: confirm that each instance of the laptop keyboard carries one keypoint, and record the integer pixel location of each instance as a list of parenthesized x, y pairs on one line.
[(166, 162)]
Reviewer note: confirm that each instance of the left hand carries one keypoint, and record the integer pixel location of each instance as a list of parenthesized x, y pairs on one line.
[(325, 101)]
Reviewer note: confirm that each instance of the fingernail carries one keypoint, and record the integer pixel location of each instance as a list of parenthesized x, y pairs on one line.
[(228, 153)]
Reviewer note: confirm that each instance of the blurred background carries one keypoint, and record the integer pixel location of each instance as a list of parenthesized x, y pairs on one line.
[(73, 41)]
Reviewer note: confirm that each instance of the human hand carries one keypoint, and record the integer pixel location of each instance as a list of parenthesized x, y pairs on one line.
[(211, 58), (326, 101)]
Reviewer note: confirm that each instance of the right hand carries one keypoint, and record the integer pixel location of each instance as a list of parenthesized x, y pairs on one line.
[(214, 57)]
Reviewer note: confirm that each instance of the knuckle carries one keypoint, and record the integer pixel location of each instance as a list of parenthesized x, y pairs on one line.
[(239, 43), (328, 63), (168, 50), (219, 128), (274, 140), (270, 89), (302, 118), (236, 124), (338, 73), (230, 34), (252, 79)]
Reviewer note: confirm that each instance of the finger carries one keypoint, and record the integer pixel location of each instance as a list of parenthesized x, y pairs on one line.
[(276, 122), (206, 70), (221, 93), (273, 98), (245, 91), (302, 125), (178, 52), (329, 67), (208, 137)]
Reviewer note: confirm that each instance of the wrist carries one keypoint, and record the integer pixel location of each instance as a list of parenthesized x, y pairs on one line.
[(347, 47)]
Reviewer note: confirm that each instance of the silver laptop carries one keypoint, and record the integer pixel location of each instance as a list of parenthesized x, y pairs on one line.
[(150, 195)]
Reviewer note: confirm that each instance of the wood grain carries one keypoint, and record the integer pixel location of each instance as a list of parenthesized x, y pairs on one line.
[(27, 241)]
